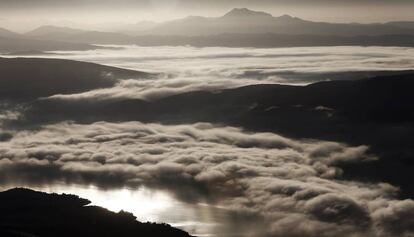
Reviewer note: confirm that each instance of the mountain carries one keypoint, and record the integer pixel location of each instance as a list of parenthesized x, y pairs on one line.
[(267, 40), (12, 45), (242, 20), (52, 30), (129, 29), (239, 20), (244, 12), (402, 24), (26, 212), (73, 35), (11, 42), (228, 39), (236, 21), (7, 33), (240, 27)]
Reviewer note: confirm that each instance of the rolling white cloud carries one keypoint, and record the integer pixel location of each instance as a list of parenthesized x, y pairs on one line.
[(185, 61), (294, 185), (184, 69)]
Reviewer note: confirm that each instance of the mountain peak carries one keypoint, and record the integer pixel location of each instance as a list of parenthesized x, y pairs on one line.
[(244, 12), (286, 16), (46, 29)]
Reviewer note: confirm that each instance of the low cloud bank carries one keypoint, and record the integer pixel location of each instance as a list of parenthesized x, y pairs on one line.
[(219, 62), (295, 186), (155, 89), (186, 69)]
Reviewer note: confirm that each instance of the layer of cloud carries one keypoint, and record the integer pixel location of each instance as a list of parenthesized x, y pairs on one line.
[(151, 90), (294, 185), (220, 62), (8, 112), (187, 69)]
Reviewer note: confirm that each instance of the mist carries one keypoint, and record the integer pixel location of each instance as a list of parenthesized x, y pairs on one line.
[(244, 118), (211, 69), (263, 177), (24, 15)]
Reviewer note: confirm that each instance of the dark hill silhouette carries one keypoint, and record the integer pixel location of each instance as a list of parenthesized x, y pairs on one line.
[(19, 43), (7, 33), (31, 78), (233, 39), (12, 42), (269, 40), (402, 24), (68, 34), (377, 112), (26, 212), (50, 29), (244, 12)]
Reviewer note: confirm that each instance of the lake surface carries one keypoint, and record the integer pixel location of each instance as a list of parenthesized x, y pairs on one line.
[(150, 205)]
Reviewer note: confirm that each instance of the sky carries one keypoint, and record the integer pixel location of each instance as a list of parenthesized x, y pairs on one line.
[(24, 15)]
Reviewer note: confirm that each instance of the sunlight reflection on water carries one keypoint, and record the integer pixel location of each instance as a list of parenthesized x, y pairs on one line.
[(147, 205)]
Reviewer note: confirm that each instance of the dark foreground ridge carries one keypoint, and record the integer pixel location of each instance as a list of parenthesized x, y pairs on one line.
[(27, 213), (31, 78)]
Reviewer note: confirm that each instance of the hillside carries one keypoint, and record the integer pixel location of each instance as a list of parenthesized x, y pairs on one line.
[(31, 78), (69, 215)]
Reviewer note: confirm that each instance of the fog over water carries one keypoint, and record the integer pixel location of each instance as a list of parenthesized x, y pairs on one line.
[(209, 179), (247, 179)]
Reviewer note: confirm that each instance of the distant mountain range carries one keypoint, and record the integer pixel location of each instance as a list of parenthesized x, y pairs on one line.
[(260, 40), (245, 21), (11, 42), (240, 27), (242, 20), (402, 24), (17, 45)]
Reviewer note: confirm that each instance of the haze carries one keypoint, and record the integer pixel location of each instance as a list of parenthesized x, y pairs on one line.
[(24, 15), (221, 118)]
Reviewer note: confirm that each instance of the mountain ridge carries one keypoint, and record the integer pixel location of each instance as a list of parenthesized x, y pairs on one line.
[(257, 22), (46, 29), (7, 33), (259, 29), (245, 12)]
